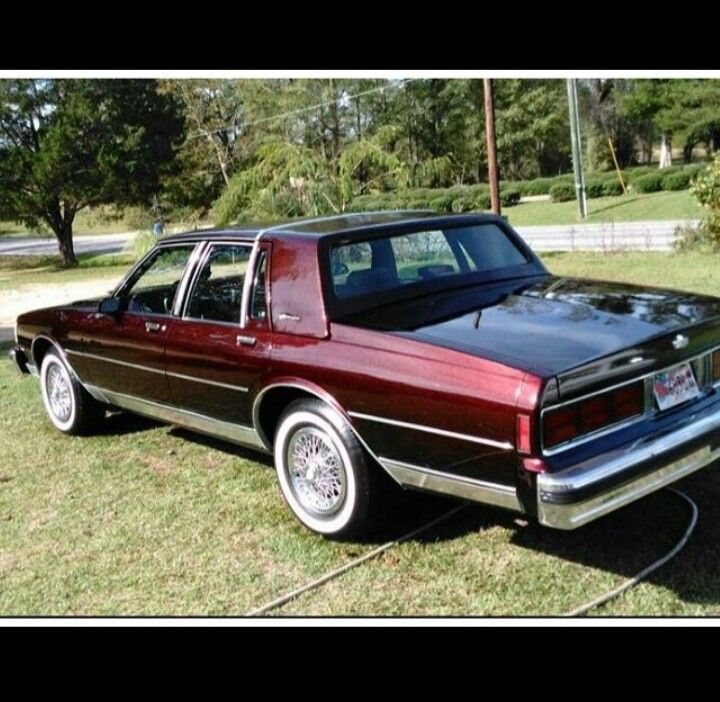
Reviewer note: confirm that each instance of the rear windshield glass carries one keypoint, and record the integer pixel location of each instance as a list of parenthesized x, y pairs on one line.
[(390, 263)]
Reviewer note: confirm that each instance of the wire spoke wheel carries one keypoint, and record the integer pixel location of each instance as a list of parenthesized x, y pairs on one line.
[(316, 471), (59, 393)]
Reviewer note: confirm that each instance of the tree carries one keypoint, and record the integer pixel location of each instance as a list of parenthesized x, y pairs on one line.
[(70, 144)]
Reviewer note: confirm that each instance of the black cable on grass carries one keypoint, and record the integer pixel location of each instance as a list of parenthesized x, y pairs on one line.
[(284, 599), (611, 594), (631, 582)]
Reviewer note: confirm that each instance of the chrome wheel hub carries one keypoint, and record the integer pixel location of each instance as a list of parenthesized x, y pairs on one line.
[(316, 470), (58, 392)]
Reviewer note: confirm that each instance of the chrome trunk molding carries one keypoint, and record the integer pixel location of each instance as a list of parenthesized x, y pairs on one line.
[(229, 431), (458, 486)]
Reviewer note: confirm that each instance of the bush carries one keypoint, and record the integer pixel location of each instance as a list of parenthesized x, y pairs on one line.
[(562, 192), (706, 188), (650, 183), (509, 197), (594, 188), (677, 181), (442, 203), (611, 187), (539, 186), (468, 203)]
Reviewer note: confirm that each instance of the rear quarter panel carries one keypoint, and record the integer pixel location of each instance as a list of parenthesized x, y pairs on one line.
[(388, 377)]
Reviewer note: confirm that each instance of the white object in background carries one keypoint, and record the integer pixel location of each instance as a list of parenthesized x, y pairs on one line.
[(665, 153)]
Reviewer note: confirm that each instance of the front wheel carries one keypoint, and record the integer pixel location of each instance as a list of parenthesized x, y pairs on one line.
[(322, 470), (69, 406)]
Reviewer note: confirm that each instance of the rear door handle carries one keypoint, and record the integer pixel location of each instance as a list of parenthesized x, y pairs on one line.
[(241, 340), (154, 327)]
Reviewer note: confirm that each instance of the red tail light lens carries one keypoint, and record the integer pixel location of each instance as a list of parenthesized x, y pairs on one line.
[(716, 365), (524, 442), (597, 412)]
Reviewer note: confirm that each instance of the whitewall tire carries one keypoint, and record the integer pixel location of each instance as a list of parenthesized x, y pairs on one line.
[(322, 470), (68, 405)]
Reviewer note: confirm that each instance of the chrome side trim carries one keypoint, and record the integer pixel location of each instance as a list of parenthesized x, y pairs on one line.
[(551, 487), (159, 371), (434, 430), (236, 433), (188, 280), (458, 486), (239, 388)]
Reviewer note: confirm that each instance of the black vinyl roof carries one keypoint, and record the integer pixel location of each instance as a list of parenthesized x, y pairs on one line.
[(318, 227)]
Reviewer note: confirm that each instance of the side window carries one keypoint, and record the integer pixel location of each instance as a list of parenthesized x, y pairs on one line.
[(217, 290), (258, 303), (152, 288)]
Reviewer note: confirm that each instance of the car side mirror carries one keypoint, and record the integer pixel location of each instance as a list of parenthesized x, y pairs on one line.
[(111, 305)]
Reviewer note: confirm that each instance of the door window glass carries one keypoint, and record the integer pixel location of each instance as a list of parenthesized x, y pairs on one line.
[(217, 291), (152, 288)]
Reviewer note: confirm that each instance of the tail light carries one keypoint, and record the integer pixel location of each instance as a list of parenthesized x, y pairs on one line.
[(716, 366), (596, 412), (524, 441)]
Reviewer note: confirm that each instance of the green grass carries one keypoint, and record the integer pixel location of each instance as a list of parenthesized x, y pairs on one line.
[(23, 271), (149, 520), (145, 519), (695, 272), (623, 208)]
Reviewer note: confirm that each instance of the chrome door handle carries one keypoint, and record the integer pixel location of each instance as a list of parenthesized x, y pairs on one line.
[(154, 327), (241, 340)]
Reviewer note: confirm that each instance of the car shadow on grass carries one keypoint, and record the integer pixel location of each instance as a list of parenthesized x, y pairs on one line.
[(224, 446), (623, 543)]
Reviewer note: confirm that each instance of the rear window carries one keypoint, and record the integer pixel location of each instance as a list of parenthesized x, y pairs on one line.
[(390, 263)]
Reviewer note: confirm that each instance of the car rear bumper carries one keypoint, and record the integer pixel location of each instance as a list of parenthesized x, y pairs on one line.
[(582, 493)]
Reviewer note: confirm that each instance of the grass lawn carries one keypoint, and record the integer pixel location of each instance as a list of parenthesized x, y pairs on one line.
[(22, 271), (146, 519), (695, 272), (634, 207)]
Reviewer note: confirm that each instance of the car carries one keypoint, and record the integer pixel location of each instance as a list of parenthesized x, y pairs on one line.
[(432, 352)]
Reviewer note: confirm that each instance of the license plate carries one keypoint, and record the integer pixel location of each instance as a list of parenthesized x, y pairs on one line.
[(675, 386)]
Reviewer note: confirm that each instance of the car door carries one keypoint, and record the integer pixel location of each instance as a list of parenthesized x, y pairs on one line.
[(124, 352), (218, 349)]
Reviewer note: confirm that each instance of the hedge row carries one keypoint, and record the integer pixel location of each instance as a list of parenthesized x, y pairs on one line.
[(460, 198), (468, 198)]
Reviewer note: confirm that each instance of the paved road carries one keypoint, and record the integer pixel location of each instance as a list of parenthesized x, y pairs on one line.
[(40, 246), (644, 236), (647, 236)]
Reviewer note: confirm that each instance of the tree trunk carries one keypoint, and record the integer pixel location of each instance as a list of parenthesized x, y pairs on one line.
[(65, 244), (63, 229)]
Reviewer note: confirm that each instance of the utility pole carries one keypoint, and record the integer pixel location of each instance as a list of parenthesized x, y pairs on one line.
[(576, 147), (491, 146)]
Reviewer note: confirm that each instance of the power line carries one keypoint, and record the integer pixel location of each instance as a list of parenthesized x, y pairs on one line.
[(301, 110)]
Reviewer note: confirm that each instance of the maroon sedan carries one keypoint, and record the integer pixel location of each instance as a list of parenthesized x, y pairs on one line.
[(436, 350)]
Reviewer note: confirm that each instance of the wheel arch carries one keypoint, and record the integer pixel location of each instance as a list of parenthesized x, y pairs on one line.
[(272, 399), (41, 344)]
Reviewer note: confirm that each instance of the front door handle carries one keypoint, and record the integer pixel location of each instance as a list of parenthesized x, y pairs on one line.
[(241, 340), (154, 327)]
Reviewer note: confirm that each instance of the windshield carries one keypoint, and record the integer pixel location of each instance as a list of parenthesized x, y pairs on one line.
[(388, 264)]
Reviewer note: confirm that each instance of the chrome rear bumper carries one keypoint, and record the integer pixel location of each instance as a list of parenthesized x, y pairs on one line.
[(579, 494)]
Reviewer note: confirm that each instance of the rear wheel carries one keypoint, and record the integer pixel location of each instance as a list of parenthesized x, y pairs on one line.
[(323, 472), (68, 405)]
